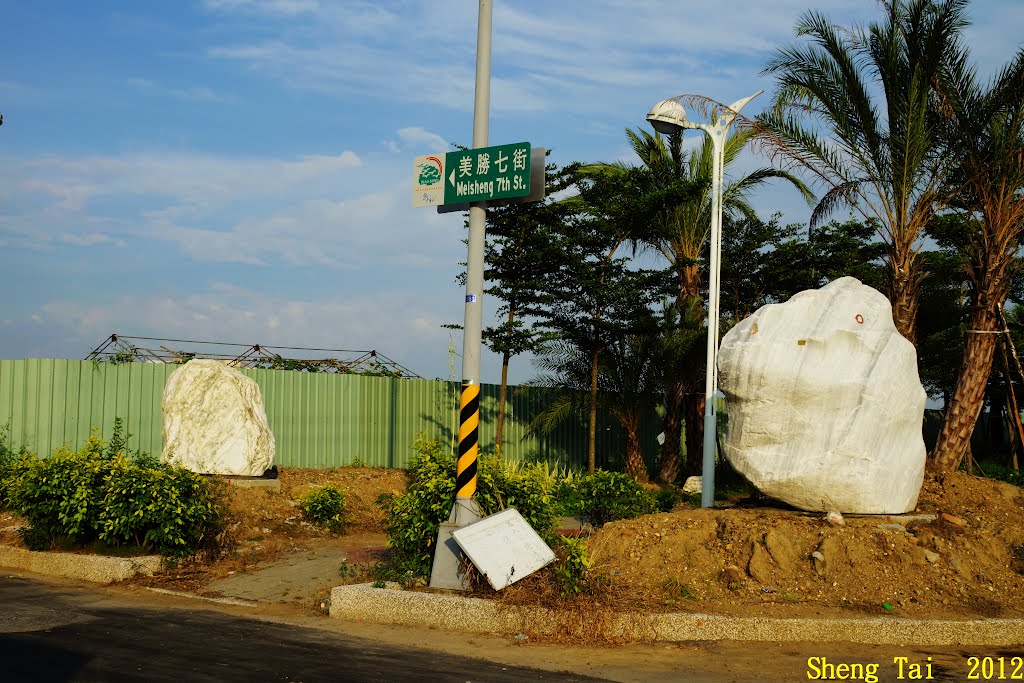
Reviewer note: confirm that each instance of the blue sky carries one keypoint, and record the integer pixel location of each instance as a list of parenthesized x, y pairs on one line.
[(240, 170)]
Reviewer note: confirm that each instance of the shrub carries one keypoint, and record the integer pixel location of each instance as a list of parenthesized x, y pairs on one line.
[(412, 519), (9, 456), (502, 484), (325, 507), (95, 494), (606, 496), (997, 470), (60, 496), (667, 498), (573, 569), (171, 509)]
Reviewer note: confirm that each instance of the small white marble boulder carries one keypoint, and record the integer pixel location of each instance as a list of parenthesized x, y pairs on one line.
[(215, 421), (825, 404)]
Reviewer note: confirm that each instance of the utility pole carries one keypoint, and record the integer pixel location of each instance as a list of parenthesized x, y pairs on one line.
[(445, 570)]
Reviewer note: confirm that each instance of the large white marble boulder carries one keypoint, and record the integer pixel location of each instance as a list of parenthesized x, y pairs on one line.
[(215, 422), (824, 401)]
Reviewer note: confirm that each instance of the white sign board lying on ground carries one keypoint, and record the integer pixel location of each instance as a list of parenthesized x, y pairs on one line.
[(503, 547)]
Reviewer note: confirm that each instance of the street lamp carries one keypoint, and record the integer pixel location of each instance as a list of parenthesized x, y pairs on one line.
[(667, 117)]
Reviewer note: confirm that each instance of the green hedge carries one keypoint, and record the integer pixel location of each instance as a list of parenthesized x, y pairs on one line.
[(100, 494)]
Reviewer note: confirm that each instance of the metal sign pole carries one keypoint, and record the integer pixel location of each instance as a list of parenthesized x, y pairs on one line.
[(469, 415), (444, 573)]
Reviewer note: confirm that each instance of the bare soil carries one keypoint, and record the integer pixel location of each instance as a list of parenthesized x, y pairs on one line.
[(760, 561), (744, 558)]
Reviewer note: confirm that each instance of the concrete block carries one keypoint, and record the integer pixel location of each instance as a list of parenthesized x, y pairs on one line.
[(95, 568), (363, 602)]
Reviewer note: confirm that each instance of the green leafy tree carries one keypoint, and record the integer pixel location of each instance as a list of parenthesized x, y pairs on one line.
[(598, 295), (628, 385), (945, 304), (749, 278), (671, 191), (521, 256), (808, 262)]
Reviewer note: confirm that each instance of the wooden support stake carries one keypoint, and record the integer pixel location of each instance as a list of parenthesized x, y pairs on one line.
[(1007, 341)]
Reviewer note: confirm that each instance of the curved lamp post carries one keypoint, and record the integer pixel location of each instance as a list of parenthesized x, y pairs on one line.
[(667, 117)]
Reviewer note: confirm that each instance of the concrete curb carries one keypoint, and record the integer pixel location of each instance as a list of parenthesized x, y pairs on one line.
[(235, 602), (363, 602), (95, 568)]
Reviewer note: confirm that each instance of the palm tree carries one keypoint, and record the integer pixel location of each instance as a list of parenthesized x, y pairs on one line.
[(987, 136), (679, 189), (856, 107), (627, 377)]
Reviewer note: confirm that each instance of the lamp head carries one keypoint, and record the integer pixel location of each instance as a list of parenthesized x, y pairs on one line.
[(668, 116)]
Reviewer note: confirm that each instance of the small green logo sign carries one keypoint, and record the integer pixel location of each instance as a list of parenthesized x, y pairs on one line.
[(429, 175)]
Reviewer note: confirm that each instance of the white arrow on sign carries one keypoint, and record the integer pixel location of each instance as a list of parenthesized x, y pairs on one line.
[(452, 177)]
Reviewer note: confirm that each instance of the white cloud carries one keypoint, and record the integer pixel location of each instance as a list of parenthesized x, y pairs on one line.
[(271, 7), (423, 141), (365, 231), (89, 239), (192, 177), (544, 54), (320, 210)]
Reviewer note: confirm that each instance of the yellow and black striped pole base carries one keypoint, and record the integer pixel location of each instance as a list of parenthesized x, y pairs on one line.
[(447, 569), (469, 423)]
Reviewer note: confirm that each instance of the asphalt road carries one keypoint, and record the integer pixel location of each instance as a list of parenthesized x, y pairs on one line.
[(55, 633)]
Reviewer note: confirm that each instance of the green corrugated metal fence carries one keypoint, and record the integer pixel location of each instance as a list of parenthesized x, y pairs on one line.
[(318, 420)]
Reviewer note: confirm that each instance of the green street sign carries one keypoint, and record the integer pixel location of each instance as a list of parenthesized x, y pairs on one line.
[(487, 173)]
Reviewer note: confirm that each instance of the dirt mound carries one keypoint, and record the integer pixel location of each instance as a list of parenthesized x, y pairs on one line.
[(277, 511), (958, 555)]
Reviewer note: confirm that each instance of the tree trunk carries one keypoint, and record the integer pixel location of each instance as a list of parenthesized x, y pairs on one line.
[(1007, 342), (592, 428), (689, 287), (692, 395), (671, 427), (903, 285), (969, 395), (693, 411), (635, 465), (499, 429)]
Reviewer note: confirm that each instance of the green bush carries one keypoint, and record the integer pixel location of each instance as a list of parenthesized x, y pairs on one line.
[(9, 456), (99, 494), (412, 518), (997, 470), (573, 569), (325, 507), (170, 509), (502, 484), (606, 496), (667, 498)]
